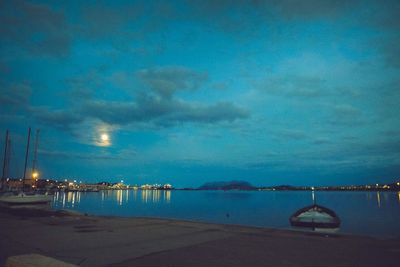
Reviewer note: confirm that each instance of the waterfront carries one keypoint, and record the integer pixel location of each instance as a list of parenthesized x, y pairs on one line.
[(362, 213), (92, 241)]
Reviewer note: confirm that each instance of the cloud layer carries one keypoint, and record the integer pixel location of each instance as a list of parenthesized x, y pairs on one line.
[(265, 90), (154, 104)]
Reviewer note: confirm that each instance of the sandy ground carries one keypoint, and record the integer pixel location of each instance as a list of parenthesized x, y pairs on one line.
[(111, 241)]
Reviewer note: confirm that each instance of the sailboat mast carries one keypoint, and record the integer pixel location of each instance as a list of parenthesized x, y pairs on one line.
[(26, 158), (35, 152), (7, 172), (4, 160)]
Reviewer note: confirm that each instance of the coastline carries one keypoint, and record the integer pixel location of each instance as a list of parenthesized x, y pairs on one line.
[(119, 241)]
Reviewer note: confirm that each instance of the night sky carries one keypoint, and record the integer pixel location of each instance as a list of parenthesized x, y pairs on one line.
[(186, 92)]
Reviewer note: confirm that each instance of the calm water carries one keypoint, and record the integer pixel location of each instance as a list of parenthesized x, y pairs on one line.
[(366, 213)]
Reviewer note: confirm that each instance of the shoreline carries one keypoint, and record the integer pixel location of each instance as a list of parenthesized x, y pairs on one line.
[(87, 240), (289, 228), (49, 211)]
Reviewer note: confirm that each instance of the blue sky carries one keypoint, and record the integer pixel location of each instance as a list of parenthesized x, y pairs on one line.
[(271, 92)]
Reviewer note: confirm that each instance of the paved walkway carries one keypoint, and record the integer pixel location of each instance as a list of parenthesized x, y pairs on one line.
[(100, 241)]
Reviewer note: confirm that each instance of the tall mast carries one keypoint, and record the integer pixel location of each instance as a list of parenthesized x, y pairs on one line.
[(34, 163), (26, 157), (7, 172), (4, 160)]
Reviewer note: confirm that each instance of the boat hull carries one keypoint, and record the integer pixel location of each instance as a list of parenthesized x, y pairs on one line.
[(315, 216), (23, 199)]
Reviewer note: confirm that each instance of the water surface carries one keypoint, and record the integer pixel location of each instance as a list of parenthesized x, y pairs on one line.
[(365, 213)]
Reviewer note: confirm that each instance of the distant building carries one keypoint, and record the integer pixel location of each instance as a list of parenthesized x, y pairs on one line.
[(167, 186)]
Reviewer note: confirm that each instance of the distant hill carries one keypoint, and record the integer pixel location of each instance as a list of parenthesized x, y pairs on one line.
[(232, 185)]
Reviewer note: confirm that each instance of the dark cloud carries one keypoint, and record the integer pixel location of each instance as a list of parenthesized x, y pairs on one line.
[(390, 133), (122, 24), (41, 29), (339, 155), (295, 86), (4, 68), (60, 119), (381, 152), (100, 20), (384, 16), (290, 134), (344, 115), (112, 112), (82, 86), (166, 81), (35, 28), (162, 112), (85, 156), (346, 111), (233, 15), (321, 141), (137, 20), (269, 165), (222, 111), (386, 101), (381, 146), (311, 9), (16, 95), (390, 49), (154, 105)]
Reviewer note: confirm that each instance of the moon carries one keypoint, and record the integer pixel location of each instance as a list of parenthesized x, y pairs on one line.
[(104, 137)]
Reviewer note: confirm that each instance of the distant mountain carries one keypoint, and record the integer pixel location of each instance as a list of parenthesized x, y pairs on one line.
[(232, 185)]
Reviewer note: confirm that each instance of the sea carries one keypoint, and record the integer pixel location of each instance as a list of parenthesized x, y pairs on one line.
[(362, 213)]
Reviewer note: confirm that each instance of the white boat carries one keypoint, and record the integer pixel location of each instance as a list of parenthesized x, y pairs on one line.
[(25, 199), (316, 217), (22, 198)]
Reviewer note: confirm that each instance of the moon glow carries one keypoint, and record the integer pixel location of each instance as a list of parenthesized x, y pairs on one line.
[(104, 137)]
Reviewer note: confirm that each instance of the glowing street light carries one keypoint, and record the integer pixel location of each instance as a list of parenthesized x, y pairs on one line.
[(35, 175)]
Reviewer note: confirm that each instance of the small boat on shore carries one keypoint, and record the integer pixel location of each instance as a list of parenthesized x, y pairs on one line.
[(315, 217)]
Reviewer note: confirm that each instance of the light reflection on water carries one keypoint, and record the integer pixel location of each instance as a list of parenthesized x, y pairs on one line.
[(69, 199), (372, 213), (378, 199)]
